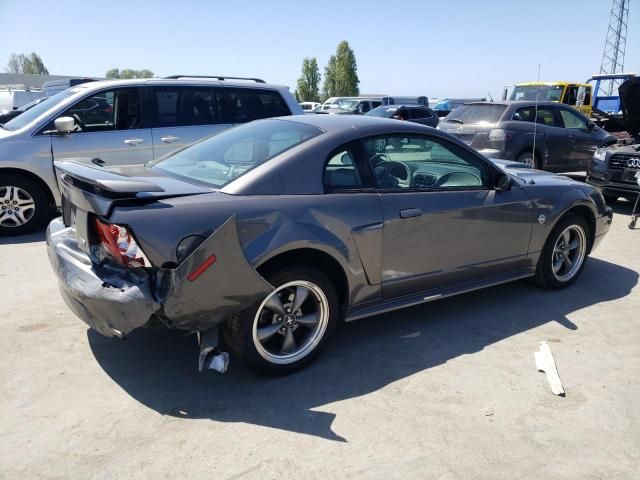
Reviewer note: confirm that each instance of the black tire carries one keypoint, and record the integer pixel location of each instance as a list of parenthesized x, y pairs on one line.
[(238, 333), (41, 212), (545, 277), (529, 158)]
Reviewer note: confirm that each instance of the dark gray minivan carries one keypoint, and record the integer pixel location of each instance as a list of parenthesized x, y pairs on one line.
[(546, 135)]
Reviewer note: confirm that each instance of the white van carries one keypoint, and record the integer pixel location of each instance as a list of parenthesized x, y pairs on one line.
[(14, 98)]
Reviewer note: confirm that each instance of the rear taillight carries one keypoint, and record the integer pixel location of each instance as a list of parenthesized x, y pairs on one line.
[(120, 245)]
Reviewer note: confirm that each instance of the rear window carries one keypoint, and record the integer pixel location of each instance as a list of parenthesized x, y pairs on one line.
[(385, 112), (476, 113), (222, 158)]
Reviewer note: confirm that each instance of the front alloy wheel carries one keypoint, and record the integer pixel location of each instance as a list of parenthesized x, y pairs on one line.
[(565, 252), (568, 253), (17, 206)]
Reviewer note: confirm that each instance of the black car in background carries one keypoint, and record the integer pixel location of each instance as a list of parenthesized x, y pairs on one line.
[(413, 113), (614, 168), (7, 115), (546, 135)]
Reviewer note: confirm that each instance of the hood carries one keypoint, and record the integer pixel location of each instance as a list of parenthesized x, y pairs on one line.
[(630, 103), (539, 177)]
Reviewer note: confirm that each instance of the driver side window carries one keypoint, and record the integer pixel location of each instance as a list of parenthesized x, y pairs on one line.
[(416, 162), (107, 110)]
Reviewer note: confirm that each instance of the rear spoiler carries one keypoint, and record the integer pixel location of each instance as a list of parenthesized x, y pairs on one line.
[(103, 182)]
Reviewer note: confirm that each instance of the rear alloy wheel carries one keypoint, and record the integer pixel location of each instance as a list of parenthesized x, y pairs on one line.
[(564, 254), (289, 327), (529, 159), (23, 205)]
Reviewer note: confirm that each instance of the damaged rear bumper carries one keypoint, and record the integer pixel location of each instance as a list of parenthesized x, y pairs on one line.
[(110, 303), (115, 301)]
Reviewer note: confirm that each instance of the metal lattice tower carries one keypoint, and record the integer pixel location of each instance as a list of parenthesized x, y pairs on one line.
[(615, 45)]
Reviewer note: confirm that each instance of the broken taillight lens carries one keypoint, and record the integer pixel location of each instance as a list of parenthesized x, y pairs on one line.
[(120, 245)]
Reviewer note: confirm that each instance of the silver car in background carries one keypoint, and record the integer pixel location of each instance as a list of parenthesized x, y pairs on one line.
[(118, 122)]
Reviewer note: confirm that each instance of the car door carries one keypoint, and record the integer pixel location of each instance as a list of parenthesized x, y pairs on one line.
[(444, 223), (585, 141), (551, 139), (109, 130), (183, 114)]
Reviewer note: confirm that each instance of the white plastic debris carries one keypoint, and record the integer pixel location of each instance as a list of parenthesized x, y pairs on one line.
[(545, 363)]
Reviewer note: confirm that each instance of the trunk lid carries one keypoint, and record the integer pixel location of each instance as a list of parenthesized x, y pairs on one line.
[(97, 189)]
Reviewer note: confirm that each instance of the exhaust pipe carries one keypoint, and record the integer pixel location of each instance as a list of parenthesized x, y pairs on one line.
[(211, 358)]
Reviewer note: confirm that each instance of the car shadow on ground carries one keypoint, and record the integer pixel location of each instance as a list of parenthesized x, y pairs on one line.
[(27, 238), (157, 367)]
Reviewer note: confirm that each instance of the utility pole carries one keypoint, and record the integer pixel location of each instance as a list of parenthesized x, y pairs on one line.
[(615, 44)]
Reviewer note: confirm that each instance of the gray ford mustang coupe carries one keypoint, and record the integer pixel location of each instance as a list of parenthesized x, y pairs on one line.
[(273, 232)]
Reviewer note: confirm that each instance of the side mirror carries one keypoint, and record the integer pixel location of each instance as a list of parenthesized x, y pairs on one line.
[(503, 182), (64, 124), (591, 126)]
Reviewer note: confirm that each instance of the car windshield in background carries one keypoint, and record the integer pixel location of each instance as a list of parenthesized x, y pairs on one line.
[(347, 104), (222, 158), (30, 115), (541, 93), (385, 112), (476, 113)]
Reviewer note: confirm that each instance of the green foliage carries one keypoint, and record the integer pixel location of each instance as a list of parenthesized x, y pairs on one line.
[(128, 73), (341, 73), (30, 64), (309, 82)]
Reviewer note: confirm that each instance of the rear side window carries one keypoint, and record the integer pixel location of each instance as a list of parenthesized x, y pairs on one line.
[(220, 159), (544, 116), (241, 105), (477, 113), (182, 106), (340, 172)]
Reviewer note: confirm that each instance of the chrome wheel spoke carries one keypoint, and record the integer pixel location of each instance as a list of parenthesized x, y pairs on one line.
[(574, 244), (566, 236), (302, 293), (4, 216), (265, 333), (289, 345), (275, 304), (557, 265), (309, 320), (568, 262)]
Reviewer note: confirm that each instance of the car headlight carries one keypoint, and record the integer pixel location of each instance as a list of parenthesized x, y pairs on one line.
[(601, 154)]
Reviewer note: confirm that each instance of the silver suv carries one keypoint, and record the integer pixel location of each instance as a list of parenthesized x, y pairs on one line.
[(118, 122)]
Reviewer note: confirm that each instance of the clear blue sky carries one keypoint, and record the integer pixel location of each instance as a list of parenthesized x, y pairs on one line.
[(439, 49)]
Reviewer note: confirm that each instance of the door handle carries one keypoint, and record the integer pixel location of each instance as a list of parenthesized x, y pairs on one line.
[(134, 141), (410, 212), (169, 139)]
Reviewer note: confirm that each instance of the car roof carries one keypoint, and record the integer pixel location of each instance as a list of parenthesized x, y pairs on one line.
[(365, 125), (181, 81)]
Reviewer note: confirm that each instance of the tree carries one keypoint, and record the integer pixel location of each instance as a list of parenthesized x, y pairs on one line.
[(341, 73), (128, 73), (30, 64), (309, 81)]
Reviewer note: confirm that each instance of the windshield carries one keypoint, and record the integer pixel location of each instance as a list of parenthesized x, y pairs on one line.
[(220, 159), (347, 104), (30, 115), (385, 112), (476, 113), (542, 93)]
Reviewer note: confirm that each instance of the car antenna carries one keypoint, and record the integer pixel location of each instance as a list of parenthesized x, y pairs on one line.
[(490, 97), (535, 122)]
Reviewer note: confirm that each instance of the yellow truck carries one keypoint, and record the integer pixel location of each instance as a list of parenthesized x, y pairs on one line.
[(577, 95)]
